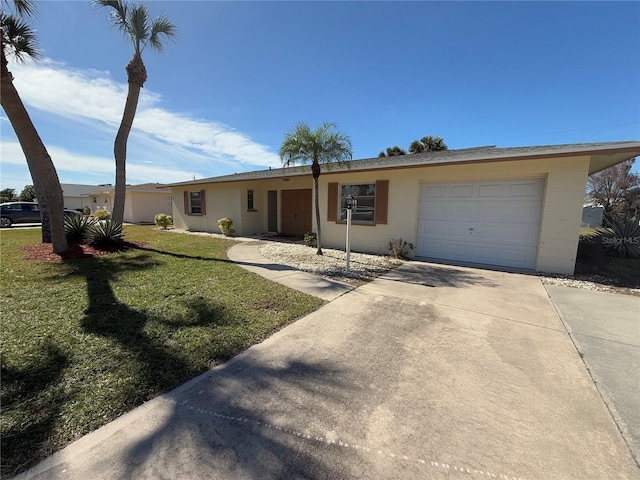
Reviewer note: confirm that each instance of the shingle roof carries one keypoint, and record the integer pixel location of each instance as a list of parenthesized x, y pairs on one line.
[(477, 154)]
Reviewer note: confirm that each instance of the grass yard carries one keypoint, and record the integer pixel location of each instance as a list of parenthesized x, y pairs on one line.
[(84, 341)]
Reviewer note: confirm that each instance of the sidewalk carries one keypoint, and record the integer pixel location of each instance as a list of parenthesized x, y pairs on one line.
[(247, 256)]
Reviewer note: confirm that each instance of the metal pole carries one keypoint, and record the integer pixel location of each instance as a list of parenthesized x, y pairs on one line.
[(348, 242)]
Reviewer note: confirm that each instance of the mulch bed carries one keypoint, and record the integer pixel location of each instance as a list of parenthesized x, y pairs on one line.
[(43, 252)]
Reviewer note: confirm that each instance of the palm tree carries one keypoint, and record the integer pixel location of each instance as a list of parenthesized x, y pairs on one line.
[(134, 22), (19, 41), (392, 152), (322, 146), (427, 144)]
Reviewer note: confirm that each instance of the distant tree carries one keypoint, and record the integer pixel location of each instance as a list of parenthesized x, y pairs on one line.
[(28, 194), (427, 144), (321, 146), (19, 41), (6, 194), (134, 22), (392, 152), (617, 189)]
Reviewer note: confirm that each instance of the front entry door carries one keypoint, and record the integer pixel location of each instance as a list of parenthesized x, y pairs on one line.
[(296, 211)]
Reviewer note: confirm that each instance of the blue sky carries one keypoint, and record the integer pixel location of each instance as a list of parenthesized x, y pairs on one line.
[(241, 74)]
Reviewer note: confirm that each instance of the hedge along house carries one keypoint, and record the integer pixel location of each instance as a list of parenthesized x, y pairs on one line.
[(517, 207)]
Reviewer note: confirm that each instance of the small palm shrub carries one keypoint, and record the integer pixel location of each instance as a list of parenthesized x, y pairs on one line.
[(622, 238), (76, 227), (86, 211), (400, 248), (163, 220), (102, 215), (311, 239), (226, 226), (106, 232)]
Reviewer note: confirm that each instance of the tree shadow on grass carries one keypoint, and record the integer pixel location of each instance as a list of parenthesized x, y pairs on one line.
[(182, 255), (39, 416)]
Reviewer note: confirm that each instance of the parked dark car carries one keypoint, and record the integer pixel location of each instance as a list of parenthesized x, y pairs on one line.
[(22, 212)]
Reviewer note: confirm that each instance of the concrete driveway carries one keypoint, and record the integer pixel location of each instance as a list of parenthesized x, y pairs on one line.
[(605, 328), (428, 372)]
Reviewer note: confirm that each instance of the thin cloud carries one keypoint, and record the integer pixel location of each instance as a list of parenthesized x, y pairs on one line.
[(92, 166), (92, 95)]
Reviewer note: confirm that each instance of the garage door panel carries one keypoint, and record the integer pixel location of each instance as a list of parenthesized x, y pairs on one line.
[(497, 224)]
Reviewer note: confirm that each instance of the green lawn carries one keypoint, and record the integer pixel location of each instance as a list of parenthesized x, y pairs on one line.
[(84, 341)]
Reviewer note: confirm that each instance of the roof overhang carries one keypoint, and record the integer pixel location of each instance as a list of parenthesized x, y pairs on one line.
[(601, 156)]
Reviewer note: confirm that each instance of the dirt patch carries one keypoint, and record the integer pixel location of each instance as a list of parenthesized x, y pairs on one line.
[(43, 252)]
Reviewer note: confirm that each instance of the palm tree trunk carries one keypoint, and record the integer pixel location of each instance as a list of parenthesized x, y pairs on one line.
[(43, 172), (120, 151), (137, 75), (317, 202)]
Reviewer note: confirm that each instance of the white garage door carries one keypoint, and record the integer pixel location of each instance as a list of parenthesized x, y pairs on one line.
[(490, 222)]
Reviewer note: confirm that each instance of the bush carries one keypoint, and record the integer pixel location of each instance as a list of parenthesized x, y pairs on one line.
[(86, 211), (622, 238), (163, 220), (105, 232), (77, 227), (102, 215), (400, 249), (226, 226), (311, 239)]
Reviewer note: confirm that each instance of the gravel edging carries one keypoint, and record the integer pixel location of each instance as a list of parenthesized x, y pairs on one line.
[(332, 264)]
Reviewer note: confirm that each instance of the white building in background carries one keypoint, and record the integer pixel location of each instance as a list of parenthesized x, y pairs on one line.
[(142, 202)]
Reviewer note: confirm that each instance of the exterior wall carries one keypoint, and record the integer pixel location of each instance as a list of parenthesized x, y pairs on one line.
[(142, 207), (559, 225), (102, 202), (230, 200), (592, 217)]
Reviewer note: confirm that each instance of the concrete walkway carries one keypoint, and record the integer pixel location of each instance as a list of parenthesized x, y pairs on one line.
[(605, 328), (248, 257), (426, 372)]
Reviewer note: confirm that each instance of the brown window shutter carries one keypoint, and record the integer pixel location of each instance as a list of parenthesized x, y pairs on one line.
[(203, 203), (186, 202), (332, 203), (382, 201)]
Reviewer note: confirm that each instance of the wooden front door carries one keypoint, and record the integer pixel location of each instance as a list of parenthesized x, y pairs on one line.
[(296, 211)]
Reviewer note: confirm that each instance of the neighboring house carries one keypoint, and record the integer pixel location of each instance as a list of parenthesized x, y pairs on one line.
[(514, 207), (142, 202), (96, 197), (592, 216)]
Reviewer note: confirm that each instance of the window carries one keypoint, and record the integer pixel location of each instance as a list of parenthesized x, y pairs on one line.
[(250, 206), (373, 199), (365, 194), (194, 203)]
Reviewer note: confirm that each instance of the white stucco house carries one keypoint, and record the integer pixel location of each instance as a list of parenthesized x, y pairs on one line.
[(518, 207), (142, 201)]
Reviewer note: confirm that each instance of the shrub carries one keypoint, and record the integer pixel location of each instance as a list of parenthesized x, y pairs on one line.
[(105, 232), (311, 239), (77, 227), (86, 211), (102, 215), (163, 220), (622, 238), (400, 248), (226, 226)]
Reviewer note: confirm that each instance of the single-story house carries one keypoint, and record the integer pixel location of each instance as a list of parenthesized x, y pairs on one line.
[(142, 202), (77, 197), (517, 207)]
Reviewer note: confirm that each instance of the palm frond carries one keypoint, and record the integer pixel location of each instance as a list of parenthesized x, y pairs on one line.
[(25, 8), (161, 26), (324, 145), (138, 22), (18, 38), (117, 14)]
